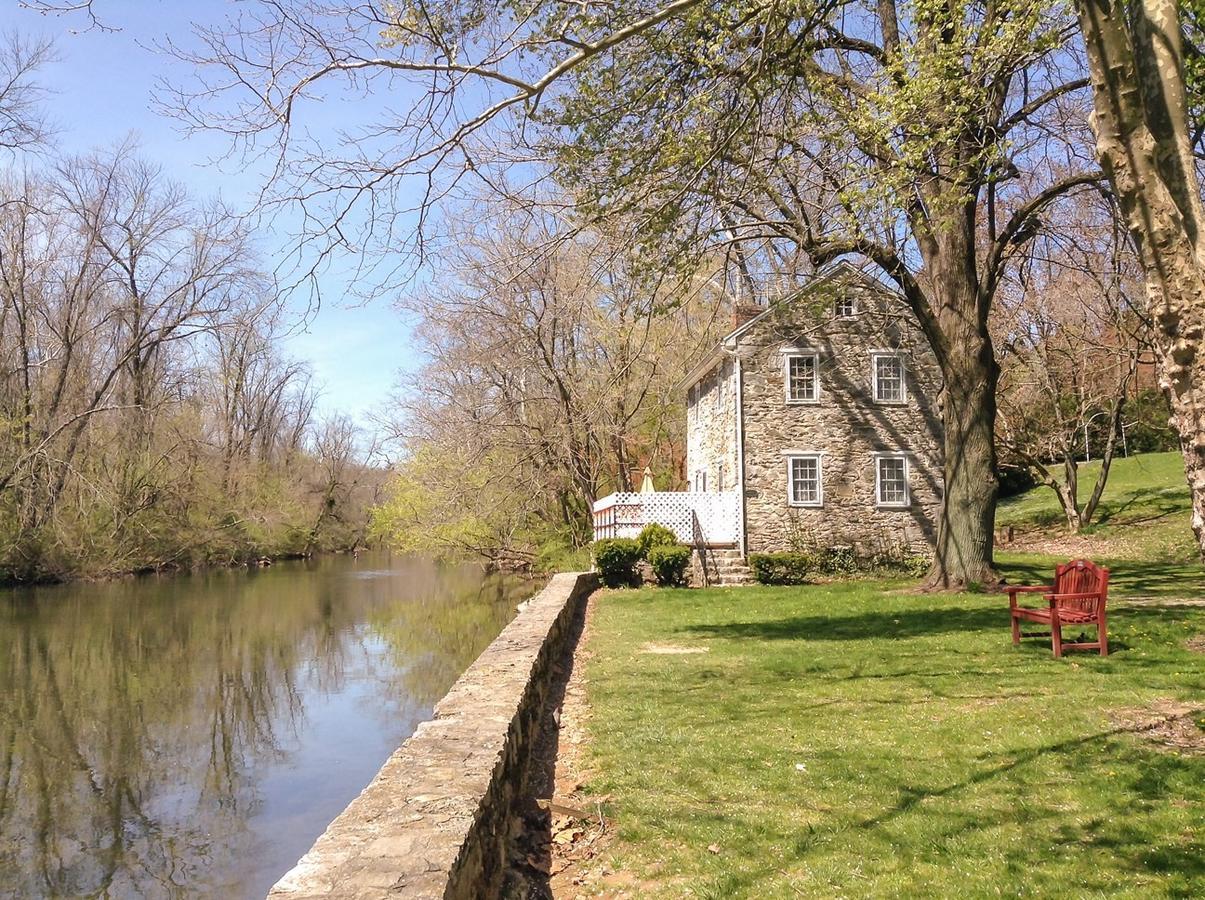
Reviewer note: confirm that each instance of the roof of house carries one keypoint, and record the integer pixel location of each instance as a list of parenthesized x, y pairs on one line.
[(729, 342)]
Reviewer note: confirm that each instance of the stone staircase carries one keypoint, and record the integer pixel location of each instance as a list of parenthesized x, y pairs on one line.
[(724, 567)]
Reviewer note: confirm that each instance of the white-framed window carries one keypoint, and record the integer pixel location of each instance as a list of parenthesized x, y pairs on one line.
[(891, 480), (887, 377), (805, 479), (802, 377), (845, 306)]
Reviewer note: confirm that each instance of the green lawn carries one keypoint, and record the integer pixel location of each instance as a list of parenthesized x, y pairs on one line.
[(1128, 578), (1142, 530), (852, 740), (1144, 513)]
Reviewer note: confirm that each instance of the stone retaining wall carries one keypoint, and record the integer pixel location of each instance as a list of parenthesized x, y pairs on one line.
[(437, 819)]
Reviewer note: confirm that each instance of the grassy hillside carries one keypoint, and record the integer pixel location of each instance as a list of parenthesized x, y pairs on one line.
[(1142, 529), (1138, 485)]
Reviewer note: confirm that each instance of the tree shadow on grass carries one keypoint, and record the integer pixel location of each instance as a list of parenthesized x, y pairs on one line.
[(974, 622), (1129, 844), (1158, 501), (900, 623), (1126, 577)]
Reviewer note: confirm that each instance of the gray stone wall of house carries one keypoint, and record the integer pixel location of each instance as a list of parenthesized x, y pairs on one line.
[(846, 425), (711, 429)]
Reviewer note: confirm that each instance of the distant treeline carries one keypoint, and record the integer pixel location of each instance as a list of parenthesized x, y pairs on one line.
[(148, 418)]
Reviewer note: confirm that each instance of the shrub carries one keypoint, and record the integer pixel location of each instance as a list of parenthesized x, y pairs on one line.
[(615, 559), (1151, 431), (654, 535), (669, 563), (1015, 480), (781, 568), (900, 558), (917, 565), (558, 549), (837, 561)]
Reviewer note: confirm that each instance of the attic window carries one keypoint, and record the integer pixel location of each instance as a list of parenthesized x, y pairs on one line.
[(846, 306)]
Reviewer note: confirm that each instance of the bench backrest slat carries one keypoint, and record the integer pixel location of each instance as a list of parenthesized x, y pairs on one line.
[(1082, 576)]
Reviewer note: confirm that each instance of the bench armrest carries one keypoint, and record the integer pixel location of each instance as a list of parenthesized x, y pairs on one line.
[(1025, 589)]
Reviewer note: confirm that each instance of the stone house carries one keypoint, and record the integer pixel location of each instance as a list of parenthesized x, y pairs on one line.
[(819, 416)]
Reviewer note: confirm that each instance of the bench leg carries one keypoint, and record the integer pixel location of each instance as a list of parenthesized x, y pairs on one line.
[(1102, 635), (1016, 631), (1056, 638)]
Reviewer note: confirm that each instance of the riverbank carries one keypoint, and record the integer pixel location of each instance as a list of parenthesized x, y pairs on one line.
[(253, 560), (444, 815), (857, 739)]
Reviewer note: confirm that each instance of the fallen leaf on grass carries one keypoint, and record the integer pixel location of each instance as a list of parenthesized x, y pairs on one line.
[(713, 848), (567, 836), (561, 809)]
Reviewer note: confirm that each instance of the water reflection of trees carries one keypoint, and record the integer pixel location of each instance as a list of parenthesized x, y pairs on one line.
[(136, 717)]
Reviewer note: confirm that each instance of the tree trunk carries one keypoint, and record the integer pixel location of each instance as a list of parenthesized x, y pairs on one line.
[(965, 529), (963, 555), (1070, 493), (1140, 118), (1116, 425)]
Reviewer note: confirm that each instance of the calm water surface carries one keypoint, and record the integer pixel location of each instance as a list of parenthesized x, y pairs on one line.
[(192, 736)]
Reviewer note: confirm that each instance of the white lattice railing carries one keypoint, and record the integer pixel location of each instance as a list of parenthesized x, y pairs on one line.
[(718, 513)]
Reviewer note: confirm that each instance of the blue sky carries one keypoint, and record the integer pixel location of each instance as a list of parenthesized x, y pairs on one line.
[(102, 84)]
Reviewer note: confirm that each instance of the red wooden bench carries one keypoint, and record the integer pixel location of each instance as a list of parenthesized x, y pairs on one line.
[(1077, 597)]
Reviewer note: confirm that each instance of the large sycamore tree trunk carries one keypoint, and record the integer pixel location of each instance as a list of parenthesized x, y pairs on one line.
[(1141, 124)]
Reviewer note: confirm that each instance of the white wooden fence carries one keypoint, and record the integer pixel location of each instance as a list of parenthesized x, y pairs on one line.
[(717, 514)]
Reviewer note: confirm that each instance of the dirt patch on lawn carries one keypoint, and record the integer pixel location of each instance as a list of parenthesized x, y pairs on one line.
[(1196, 644), (1170, 724), (671, 650), (1067, 546)]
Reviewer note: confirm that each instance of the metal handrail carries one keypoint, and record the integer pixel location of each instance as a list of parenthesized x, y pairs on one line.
[(700, 543)]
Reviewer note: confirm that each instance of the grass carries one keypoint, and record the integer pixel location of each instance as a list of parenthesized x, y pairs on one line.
[(1142, 530), (1144, 513), (853, 740), (1128, 578)]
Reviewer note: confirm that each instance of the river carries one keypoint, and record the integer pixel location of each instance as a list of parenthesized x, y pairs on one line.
[(192, 735)]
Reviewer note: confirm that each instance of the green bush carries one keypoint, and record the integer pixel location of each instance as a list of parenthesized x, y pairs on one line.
[(669, 564), (781, 568), (558, 550), (1150, 431), (917, 565), (654, 535), (840, 560), (837, 561), (1015, 480), (615, 559), (897, 559)]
